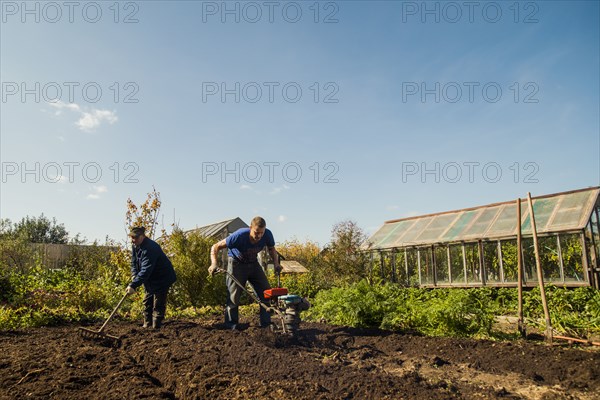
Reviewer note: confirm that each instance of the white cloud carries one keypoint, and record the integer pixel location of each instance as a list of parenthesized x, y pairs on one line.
[(91, 120), (278, 190), (97, 190), (60, 105), (250, 188), (88, 120), (282, 218)]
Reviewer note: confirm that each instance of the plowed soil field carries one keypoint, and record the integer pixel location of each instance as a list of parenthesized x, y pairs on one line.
[(200, 360)]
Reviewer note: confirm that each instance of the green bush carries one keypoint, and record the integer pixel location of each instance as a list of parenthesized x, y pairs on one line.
[(453, 312), (190, 255), (305, 285), (575, 312)]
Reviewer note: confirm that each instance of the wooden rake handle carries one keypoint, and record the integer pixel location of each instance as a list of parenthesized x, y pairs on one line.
[(113, 313)]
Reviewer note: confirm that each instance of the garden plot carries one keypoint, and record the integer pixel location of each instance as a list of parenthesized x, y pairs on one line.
[(197, 359)]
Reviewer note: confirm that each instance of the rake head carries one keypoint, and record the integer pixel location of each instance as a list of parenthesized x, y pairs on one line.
[(113, 341)]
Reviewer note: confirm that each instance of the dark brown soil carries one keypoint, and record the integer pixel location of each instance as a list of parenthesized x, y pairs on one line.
[(197, 360)]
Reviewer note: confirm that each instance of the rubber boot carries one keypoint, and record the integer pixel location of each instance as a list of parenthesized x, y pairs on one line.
[(147, 321), (147, 312)]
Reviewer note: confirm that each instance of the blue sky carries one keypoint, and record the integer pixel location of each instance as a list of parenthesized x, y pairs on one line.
[(307, 113)]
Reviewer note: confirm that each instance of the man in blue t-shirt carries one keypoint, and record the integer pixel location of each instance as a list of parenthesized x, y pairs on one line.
[(243, 247)]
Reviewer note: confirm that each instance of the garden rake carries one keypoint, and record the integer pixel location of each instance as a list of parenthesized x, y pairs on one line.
[(91, 334)]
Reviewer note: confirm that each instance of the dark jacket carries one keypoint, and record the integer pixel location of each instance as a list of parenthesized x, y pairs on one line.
[(151, 267)]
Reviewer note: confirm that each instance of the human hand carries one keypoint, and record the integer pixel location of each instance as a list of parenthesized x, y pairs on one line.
[(212, 269), (130, 290)]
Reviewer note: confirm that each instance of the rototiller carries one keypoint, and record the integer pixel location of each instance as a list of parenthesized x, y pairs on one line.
[(286, 307)]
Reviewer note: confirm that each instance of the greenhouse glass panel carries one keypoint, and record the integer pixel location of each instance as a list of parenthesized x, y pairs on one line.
[(570, 245), (529, 266), (565, 219), (398, 228), (441, 264), (542, 209), (575, 201), (414, 231), (435, 229), (506, 224), (570, 210), (427, 272), (549, 258), (509, 260), (456, 264), (491, 262), (596, 233), (401, 276), (374, 263), (459, 226), (472, 257), (413, 267), (482, 223), (383, 269), (382, 234)]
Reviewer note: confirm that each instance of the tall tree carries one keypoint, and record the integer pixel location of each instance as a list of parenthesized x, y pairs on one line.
[(343, 256), (39, 230), (146, 214)]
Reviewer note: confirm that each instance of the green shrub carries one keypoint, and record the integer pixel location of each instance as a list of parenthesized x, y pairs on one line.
[(574, 312), (453, 312)]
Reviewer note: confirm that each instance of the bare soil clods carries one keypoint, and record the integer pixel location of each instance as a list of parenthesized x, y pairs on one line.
[(197, 360)]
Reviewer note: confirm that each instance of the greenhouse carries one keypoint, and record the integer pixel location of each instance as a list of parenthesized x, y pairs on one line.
[(478, 246)]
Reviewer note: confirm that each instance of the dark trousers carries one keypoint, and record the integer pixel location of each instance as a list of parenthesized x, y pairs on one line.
[(252, 273), (155, 305)]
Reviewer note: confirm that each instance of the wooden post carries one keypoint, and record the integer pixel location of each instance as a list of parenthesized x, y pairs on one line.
[(499, 251), (464, 254), (433, 266), (419, 266), (540, 275), (481, 267), (560, 259), (406, 266), (393, 261), (449, 265), (520, 270), (584, 259), (371, 266), (593, 254), (382, 265)]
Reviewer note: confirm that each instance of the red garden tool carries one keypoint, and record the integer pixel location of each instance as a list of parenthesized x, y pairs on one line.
[(286, 306)]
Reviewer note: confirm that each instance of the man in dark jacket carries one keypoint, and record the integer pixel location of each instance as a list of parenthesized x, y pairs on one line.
[(151, 267)]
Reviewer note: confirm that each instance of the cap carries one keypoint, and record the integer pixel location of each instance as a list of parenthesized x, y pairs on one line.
[(137, 231)]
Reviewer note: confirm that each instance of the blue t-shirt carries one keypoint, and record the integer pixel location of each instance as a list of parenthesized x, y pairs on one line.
[(242, 249)]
